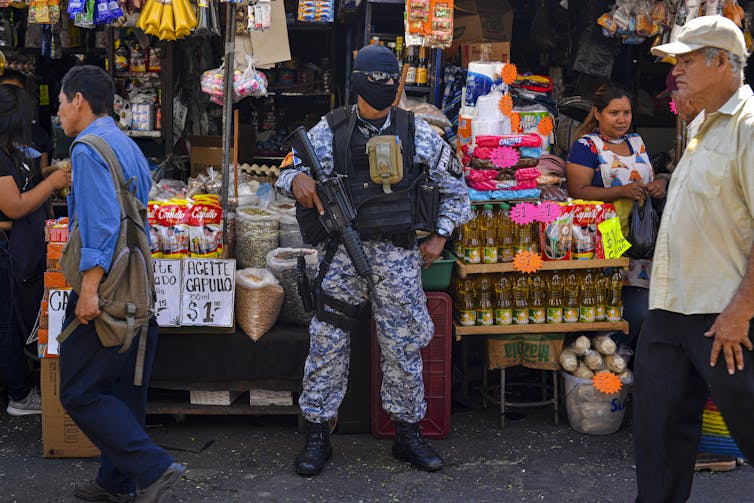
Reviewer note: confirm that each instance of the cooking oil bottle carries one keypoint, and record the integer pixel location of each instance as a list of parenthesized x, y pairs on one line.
[(484, 312), (571, 298), (504, 233), (521, 300), (466, 309), (503, 300), (487, 235), (472, 247), (588, 298), (458, 241), (538, 302), (615, 297), (555, 298), (600, 307), (522, 238)]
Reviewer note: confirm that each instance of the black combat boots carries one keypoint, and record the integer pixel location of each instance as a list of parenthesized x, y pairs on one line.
[(316, 451), (409, 445)]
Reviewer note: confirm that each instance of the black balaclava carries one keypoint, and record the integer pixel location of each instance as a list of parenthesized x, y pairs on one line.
[(375, 58)]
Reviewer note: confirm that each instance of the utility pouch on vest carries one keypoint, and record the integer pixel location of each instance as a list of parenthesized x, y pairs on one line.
[(385, 160), (427, 207)]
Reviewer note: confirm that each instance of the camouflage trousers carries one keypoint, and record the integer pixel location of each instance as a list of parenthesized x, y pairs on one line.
[(403, 325)]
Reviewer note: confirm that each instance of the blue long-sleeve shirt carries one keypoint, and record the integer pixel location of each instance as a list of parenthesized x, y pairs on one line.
[(93, 202)]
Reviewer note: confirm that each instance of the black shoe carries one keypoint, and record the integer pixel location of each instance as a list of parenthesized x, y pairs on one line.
[(409, 445), (160, 487), (316, 451), (90, 490)]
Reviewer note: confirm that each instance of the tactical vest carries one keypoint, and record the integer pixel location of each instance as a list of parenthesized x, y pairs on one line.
[(380, 216)]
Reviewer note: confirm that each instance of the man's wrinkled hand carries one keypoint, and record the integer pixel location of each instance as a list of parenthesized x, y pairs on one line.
[(431, 249), (87, 307), (731, 331), (304, 189)]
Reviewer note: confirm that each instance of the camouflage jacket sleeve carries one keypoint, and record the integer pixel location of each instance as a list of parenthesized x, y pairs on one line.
[(446, 171), (321, 138)]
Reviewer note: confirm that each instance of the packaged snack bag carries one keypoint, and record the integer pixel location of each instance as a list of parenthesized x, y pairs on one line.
[(205, 230), (584, 230), (172, 218), (556, 236), (154, 228)]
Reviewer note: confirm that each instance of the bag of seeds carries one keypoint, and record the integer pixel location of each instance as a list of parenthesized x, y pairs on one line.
[(259, 298), (282, 262), (257, 233)]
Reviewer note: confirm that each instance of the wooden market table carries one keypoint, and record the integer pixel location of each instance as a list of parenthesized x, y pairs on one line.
[(463, 270)]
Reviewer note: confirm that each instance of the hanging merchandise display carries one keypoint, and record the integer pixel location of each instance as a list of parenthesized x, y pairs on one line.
[(90, 13), (44, 12), (429, 23), (259, 15), (207, 24), (167, 19)]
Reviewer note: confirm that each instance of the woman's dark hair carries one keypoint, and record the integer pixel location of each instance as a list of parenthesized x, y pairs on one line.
[(15, 120), (94, 84), (602, 98)]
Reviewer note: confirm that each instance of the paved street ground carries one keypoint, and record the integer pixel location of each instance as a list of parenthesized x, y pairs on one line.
[(251, 458)]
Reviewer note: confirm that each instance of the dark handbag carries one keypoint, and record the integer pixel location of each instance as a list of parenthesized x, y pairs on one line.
[(642, 230)]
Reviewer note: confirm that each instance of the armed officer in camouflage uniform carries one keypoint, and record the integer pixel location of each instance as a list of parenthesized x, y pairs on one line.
[(392, 203)]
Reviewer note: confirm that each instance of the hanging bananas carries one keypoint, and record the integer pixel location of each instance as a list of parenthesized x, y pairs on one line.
[(167, 19)]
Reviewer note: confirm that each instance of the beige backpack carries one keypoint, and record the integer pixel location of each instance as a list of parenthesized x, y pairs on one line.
[(126, 292)]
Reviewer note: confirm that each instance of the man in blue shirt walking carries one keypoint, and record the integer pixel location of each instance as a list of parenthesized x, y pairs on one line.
[(96, 382)]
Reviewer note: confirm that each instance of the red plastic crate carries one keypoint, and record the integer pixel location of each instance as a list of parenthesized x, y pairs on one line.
[(436, 372)]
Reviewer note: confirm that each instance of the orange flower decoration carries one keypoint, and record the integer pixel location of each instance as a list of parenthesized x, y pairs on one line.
[(607, 382), (509, 73), (506, 104), (526, 261), (545, 126), (515, 122)]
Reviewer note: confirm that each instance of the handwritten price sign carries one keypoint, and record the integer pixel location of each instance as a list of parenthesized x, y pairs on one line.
[(526, 261), (526, 213), (167, 287), (613, 242), (207, 292)]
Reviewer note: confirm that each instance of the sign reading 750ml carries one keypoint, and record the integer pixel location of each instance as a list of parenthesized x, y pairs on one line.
[(207, 292)]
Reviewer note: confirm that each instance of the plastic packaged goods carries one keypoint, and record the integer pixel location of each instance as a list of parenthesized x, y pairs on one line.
[(259, 298), (594, 360), (556, 235), (568, 360), (488, 235), (503, 300), (555, 298), (521, 299), (472, 249), (581, 345), (587, 310), (466, 309), (600, 308), (571, 300), (538, 300)]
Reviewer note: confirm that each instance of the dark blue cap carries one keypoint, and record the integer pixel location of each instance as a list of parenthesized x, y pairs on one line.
[(376, 58)]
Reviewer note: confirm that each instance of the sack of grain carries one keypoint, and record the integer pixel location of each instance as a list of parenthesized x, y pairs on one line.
[(257, 233), (282, 262), (259, 298)]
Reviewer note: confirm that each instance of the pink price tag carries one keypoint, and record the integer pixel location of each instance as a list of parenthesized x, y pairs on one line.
[(524, 213), (548, 212)]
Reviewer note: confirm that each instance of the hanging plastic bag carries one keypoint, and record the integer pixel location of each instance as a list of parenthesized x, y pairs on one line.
[(642, 230), (250, 82)]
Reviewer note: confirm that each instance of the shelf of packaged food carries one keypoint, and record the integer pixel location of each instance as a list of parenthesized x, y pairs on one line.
[(463, 269), (596, 326), (144, 134), (137, 75)]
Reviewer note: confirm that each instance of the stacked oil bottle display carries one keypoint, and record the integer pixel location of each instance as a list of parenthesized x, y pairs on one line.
[(563, 296), (569, 296)]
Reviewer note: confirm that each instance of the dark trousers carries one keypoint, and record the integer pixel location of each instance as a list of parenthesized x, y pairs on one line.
[(14, 369), (96, 388), (673, 378)]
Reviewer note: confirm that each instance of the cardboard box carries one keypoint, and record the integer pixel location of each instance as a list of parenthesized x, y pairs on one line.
[(208, 150), (496, 51), (480, 21), (61, 437)]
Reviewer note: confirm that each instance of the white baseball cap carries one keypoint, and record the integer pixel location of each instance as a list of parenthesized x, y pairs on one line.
[(705, 31)]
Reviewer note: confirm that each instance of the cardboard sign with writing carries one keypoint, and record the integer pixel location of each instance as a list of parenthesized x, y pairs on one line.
[(167, 287), (535, 351), (56, 304), (208, 288)]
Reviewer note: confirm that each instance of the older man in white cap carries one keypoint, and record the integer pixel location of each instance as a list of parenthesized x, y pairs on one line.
[(697, 337)]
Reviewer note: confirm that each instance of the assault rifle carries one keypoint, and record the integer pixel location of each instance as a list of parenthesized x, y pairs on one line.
[(339, 213)]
